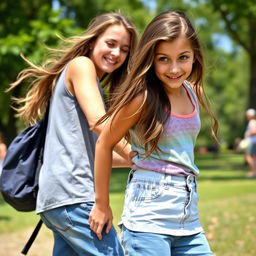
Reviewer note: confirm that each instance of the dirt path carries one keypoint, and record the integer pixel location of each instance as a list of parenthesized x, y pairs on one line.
[(12, 244)]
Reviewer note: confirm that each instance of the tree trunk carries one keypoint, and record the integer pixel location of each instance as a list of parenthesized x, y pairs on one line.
[(252, 81), (252, 54)]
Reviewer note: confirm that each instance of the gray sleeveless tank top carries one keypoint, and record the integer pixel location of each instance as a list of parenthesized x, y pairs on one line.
[(66, 176)]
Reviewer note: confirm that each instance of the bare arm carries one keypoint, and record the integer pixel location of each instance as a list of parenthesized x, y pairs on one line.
[(252, 131), (3, 150), (81, 80), (110, 136)]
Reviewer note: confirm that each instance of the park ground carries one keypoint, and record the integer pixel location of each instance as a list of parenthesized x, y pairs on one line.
[(227, 210)]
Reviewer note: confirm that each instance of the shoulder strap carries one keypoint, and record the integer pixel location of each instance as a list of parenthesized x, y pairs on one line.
[(192, 93), (40, 222), (32, 238), (46, 115)]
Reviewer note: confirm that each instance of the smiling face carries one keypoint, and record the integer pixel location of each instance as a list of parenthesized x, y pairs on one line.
[(173, 62), (110, 49)]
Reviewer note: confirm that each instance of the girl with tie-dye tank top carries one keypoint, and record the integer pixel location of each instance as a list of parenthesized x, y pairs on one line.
[(157, 109)]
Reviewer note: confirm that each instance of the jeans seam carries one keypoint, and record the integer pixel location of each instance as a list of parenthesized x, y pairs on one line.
[(69, 220)]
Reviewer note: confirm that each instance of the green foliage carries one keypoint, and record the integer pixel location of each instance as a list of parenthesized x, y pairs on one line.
[(238, 16), (239, 19), (228, 72), (27, 35), (84, 10), (228, 92)]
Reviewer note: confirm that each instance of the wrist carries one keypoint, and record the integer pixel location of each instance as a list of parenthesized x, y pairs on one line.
[(102, 202)]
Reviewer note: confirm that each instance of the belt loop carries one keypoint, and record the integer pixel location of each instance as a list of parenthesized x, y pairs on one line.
[(130, 176), (188, 182)]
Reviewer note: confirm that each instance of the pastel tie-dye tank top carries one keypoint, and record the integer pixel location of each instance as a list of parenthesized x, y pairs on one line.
[(177, 144)]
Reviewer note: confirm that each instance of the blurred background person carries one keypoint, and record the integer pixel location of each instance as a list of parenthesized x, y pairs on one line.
[(250, 134)]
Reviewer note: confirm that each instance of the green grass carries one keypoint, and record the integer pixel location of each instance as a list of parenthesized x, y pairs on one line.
[(227, 204), (12, 221)]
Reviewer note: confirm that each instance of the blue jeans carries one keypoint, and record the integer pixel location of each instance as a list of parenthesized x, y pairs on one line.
[(150, 244), (73, 236)]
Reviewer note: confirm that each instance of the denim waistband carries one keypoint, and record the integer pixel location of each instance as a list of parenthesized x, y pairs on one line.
[(156, 177)]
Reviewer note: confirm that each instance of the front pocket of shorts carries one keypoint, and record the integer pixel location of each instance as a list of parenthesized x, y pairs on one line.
[(140, 191)]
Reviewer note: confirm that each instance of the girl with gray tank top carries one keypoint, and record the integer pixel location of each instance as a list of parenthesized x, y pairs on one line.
[(71, 84)]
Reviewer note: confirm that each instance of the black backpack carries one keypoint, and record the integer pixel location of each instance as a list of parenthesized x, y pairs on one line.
[(21, 166)]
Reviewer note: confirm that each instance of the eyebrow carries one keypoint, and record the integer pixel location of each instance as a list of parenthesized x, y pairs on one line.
[(159, 53)]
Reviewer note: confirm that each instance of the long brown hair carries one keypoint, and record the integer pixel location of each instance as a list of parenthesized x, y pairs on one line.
[(142, 78), (42, 78)]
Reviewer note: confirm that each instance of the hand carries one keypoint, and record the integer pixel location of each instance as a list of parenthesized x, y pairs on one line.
[(99, 216)]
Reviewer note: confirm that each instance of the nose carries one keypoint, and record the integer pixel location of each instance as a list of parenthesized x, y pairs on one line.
[(174, 67), (115, 51)]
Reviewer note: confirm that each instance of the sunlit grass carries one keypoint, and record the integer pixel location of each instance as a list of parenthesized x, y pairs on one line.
[(227, 204)]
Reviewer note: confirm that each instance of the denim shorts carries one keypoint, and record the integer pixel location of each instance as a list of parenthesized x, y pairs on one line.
[(73, 236), (161, 203), (251, 150)]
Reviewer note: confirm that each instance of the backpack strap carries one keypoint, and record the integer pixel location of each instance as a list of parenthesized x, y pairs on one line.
[(32, 238), (40, 222)]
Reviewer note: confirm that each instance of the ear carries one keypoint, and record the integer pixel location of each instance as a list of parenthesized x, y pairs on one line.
[(91, 45)]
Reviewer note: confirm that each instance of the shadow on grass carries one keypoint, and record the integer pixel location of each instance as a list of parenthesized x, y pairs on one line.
[(217, 167), (5, 218), (2, 200), (224, 178)]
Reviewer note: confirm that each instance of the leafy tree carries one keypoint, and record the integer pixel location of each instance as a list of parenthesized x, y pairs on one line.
[(27, 32), (239, 18), (84, 10)]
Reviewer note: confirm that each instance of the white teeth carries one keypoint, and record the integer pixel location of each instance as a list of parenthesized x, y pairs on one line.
[(172, 77), (110, 60)]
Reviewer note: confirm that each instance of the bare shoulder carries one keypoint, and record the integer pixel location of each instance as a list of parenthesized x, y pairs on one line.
[(80, 71), (135, 106), (81, 63), (137, 101)]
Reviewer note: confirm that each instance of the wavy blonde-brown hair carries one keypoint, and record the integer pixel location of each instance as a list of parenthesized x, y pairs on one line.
[(42, 78), (142, 78)]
